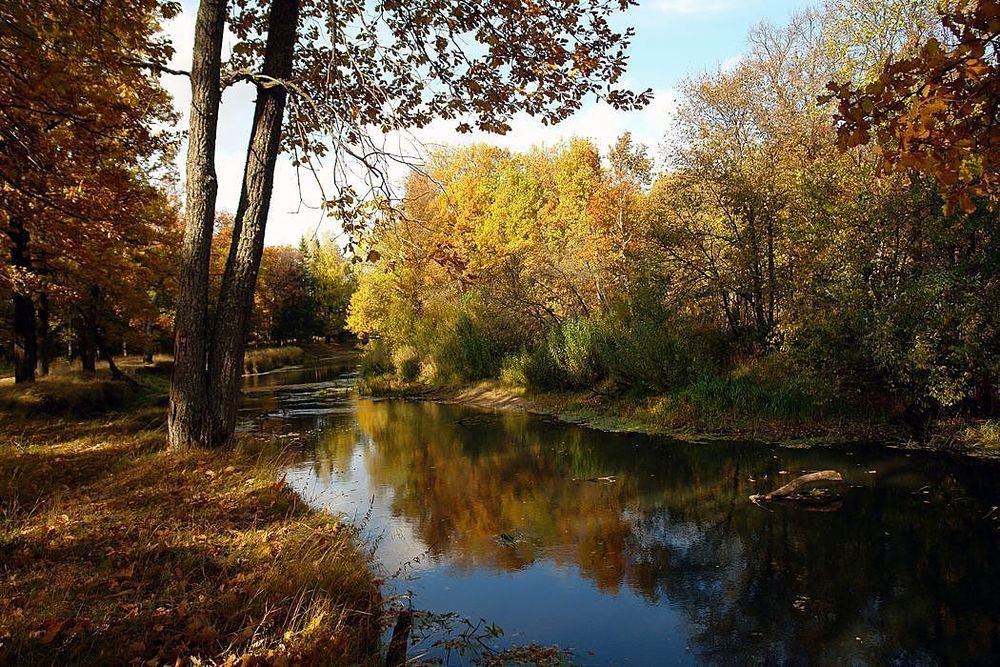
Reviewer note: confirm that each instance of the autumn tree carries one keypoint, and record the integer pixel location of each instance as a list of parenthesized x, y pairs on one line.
[(350, 69), (936, 111), (621, 204), (80, 157), (331, 279)]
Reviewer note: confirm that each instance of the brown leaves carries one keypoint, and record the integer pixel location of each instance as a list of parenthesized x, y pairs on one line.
[(936, 112)]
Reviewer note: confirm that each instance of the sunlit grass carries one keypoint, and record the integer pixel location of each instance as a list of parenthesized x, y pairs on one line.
[(114, 549), (269, 358), (983, 436)]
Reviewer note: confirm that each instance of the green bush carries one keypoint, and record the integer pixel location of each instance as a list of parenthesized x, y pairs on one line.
[(514, 370), (375, 359), (743, 397), (406, 362), (579, 351), (648, 356), (472, 353)]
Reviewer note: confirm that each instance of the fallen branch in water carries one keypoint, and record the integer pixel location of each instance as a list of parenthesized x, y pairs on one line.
[(798, 483)]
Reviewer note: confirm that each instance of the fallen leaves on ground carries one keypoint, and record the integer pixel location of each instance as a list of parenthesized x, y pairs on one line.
[(113, 550)]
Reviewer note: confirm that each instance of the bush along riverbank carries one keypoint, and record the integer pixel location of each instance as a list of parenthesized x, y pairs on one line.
[(114, 550), (644, 377)]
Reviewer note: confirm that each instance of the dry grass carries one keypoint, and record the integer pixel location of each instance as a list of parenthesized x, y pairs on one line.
[(65, 395), (982, 437), (115, 551), (269, 358)]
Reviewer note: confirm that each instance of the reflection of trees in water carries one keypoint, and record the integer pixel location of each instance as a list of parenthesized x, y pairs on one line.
[(915, 582)]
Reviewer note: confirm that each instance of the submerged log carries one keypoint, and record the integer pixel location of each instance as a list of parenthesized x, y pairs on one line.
[(794, 486)]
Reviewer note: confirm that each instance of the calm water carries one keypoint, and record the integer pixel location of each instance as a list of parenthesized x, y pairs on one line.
[(494, 516)]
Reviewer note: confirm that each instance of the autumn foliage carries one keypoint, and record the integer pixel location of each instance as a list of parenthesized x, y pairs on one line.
[(936, 111), (762, 274)]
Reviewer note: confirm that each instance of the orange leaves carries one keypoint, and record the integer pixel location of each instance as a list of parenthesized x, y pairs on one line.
[(937, 111)]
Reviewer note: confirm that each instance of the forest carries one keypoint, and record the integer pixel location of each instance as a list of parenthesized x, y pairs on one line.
[(773, 266), (231, 434)]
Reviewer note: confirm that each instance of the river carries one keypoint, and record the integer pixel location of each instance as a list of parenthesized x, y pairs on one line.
[(637, 550)]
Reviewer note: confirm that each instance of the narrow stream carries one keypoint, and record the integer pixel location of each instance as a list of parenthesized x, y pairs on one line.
[(628, 549)]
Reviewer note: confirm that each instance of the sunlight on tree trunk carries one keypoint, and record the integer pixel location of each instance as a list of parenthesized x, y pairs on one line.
[(188, 400)]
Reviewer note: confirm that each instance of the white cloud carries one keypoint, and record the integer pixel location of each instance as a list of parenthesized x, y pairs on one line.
[(595, 121)]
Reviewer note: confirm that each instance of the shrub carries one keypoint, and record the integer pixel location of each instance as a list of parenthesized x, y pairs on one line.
[(743, 397), (375, 359), (514, 370), (579, 349), (647, 355), (476, 355), (406, 362)]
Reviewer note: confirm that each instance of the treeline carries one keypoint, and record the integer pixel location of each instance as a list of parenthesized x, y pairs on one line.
[(769, 266), (302, 294)]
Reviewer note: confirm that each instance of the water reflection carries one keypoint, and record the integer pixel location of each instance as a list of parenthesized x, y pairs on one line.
[(669, 563)]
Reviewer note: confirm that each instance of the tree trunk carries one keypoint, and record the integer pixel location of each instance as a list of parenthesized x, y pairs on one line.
[(188, 385), (44, 334), (147, 351), (235, 306), (25, 337), (25, 342), (87, 345), (102, 348)]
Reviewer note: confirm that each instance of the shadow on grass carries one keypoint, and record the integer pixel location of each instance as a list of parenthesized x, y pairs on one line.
[(114, 550)]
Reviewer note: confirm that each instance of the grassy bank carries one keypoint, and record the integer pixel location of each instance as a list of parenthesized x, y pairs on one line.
[(114, 550), (269, 358), (704, 410)]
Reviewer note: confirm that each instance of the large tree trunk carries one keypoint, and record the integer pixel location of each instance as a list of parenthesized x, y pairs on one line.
[(188, 387), (232, 320), (44, 334), (25, 337)]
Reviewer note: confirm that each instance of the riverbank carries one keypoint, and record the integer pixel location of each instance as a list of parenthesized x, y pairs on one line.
[(658, 415), (113, 549)]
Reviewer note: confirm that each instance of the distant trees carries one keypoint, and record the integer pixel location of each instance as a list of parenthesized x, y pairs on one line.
[(775, 248), (302, 292)]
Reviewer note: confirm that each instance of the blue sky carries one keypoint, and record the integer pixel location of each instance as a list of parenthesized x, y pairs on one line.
[(674, 39)]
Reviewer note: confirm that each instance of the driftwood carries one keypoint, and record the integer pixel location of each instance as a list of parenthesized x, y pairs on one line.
[(794, 486)]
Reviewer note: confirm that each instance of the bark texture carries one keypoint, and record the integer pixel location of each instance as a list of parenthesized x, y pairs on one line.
[(188, 388), (232, 319), (86, 344)]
